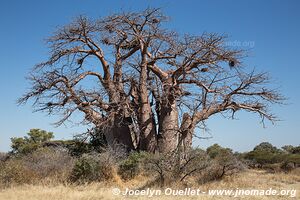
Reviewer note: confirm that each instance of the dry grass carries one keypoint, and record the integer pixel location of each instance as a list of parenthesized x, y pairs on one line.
[(247, 180)]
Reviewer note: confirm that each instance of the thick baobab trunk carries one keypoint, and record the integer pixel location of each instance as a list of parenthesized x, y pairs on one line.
[(147, 140), (119, 134), (168, 128)]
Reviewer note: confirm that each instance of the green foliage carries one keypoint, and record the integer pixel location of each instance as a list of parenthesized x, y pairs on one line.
[(77, 148), (216, 149), (80, 145), (266, 147), (30, 143), (39, 136), (265, 157), (92, 167), (294, 158), (224, 157), (296, 150), (131, 166), (267, 154), (291, 149), (36, 157), (288, 148)]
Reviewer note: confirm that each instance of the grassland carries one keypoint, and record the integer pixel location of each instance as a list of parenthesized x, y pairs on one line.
[(250, 179)]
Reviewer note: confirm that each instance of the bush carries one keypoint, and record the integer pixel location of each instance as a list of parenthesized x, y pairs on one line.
[(159, 166), (223, 163), (194, 162), (288, 148), (216, 149), (176, 167), (291, 162), (214, 164), (266, 147), (131, 167), (296, 150), (267, 154), (49, 162), (287, 166), (78, 148), (3, 157), (294, 158), (265, 157), (272, 168), (13, 172), (268, 157), (92, 167), (54, 164)]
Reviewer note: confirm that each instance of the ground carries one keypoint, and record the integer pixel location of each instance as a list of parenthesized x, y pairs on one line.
[(250, 179)]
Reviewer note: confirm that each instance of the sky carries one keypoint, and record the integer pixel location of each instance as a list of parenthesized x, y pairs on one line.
[(270, 30)]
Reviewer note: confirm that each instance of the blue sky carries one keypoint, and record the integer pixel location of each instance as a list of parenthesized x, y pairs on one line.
[(269, 29)]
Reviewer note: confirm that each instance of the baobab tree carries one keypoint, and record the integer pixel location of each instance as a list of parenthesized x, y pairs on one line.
[(144, 86)]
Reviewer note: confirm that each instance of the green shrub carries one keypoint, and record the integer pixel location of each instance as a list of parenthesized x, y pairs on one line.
[(291, 149), (131, 166), (77, 147), (272, 159), (293, 158), (92, 167), (216, 149), (296, 150), (288, 148), (265, 157), (266, 147)]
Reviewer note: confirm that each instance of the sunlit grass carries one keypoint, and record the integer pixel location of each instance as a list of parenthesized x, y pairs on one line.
[(250, 179)]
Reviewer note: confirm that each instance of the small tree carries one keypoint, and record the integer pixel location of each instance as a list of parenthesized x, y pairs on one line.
[(265, 153), (216, 149), (266, 147), (288, 148), (33, 141), (94, 167)]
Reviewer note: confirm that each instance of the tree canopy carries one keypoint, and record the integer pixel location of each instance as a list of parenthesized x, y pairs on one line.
[(142, 85), (33, 141)]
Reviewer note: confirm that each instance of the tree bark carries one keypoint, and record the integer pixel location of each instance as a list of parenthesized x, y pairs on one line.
[(168, 121), (186, 133), (119, 134), (168, 128), (147, 140)]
